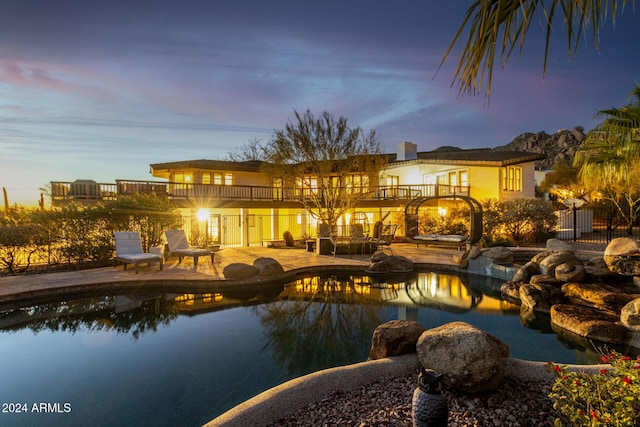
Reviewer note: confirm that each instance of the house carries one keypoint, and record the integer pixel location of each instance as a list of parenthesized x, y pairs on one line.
[(235, 204)]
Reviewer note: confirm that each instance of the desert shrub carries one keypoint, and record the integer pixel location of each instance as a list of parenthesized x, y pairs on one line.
[(519, 220), (20, 241)]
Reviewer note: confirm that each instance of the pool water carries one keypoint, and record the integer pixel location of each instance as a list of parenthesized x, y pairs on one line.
[(182, 359)]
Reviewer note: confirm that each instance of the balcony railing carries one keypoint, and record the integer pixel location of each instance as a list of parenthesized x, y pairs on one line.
[(90, 190)]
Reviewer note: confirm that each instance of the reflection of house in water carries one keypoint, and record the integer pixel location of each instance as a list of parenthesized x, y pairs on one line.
[(424, 289)]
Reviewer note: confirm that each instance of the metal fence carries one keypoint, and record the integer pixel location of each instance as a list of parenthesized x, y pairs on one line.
[(595, 224)]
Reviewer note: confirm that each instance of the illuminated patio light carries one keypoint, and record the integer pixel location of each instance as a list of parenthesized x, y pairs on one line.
[(203, 214)]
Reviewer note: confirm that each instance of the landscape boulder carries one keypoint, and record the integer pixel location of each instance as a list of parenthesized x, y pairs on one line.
[(589, 322), (390, 264), (605, 297), (499, 254), (622, 256), (549, 264), (470, 359), (239, 271), (268, 267), (569, 272), (524, 273), (395, 338), (630, 314), (539, 297), (557, 245)]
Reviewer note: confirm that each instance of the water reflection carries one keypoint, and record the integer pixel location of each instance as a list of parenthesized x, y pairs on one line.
[(135, 314), (306, 300), (308, 323)]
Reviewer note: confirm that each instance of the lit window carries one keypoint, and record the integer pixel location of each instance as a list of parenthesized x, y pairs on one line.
[(453, 179), (217, 178), (228, 179), (206, 177), (464, 178), (181, 177), (512, 179)]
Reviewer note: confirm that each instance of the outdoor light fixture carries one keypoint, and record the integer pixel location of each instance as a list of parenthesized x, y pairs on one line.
[(203, 214)]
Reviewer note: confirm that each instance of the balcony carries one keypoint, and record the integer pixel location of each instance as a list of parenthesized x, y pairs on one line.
[(188, 195)]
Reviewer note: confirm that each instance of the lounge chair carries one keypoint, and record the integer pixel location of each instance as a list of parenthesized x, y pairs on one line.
[(129, 250), (179, 246)]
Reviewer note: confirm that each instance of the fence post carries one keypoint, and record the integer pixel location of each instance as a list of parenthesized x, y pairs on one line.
[(575, 222)]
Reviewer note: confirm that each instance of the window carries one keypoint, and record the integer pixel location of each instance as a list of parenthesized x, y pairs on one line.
[(228, 179), (277, 189), (359, 183), (512, 179), (307, 185), (453, 179), (181, 177), (206, 177), (464, 178), (392, 180)]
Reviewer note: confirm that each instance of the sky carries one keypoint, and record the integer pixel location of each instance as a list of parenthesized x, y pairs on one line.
[(101, 90)]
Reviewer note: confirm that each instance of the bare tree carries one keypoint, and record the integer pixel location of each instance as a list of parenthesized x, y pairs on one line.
[(252, 150), (328, 166)]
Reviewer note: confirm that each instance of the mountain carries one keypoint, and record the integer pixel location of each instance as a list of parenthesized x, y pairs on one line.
[(561, 146)]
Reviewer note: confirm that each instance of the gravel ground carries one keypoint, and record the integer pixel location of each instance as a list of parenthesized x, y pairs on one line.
[(388, 403)]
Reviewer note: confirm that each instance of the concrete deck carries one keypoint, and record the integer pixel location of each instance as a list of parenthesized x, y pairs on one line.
[(207, 276)]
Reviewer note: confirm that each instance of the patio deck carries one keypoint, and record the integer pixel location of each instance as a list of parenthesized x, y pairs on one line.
[(206, 275)]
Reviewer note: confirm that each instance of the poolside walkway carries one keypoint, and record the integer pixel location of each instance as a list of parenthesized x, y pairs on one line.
[(24, 286)]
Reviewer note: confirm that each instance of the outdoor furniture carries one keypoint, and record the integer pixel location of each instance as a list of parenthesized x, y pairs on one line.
[(358, 239), (129, 250), (385, 238), (179, 246)]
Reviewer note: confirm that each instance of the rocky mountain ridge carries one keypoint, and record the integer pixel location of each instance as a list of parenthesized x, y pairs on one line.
[(560, 146)]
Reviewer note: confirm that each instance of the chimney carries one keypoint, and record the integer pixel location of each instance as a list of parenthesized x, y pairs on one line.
[(407, 151)]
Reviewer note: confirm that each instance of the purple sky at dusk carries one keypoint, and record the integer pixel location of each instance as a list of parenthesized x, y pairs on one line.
[(99, 90)]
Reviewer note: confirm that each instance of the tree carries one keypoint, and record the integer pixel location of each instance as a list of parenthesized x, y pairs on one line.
[(563, 182), (253, 150), (329, 165), (503, 24), (610, 157)]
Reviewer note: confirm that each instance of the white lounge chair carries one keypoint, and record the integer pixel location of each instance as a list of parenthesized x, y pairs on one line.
[(129, 250), (179, 246)]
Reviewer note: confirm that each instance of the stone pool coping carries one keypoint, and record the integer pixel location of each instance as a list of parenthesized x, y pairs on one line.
[(285, 399)]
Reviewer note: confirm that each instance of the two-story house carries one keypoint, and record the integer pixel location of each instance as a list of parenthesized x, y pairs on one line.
[(235, 204)]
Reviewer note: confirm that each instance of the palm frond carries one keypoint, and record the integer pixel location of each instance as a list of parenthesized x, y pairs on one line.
[(504, 24)]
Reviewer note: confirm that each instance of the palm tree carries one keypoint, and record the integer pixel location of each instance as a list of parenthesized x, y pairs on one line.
[(610, 157), (505, 23)]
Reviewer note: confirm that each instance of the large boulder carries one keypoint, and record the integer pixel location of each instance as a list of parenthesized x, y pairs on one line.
[(539, 297), (606, 297), (622, 256), (590, 323), (471, 360), (499, 255), (239, 271), (510, 291), (630, 313), (569, 272), (524, 273), (268, 267), (545, 279), (557, 245), (395, 338), (549, 264), (390, 264)]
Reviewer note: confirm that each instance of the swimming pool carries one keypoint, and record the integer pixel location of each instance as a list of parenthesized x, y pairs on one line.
[(182, 359)]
